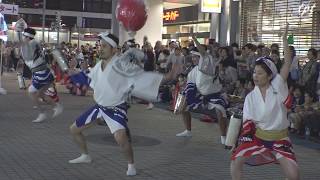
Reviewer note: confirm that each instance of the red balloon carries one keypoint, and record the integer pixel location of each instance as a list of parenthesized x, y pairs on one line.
[(132, 14)]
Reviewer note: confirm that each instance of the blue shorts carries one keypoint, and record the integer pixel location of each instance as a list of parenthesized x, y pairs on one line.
[(80, 78), (42, 78), (199, 103), (115, 117)]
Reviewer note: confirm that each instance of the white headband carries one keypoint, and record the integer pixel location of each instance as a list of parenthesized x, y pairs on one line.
[(195, 53), (28, 34), (110, 41), (269, 64)]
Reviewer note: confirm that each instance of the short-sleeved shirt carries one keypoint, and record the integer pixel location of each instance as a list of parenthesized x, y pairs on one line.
[(271, 113)]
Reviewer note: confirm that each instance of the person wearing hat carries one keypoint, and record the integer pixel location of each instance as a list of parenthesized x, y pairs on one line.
[(203, 92), (264, 135), (113, 80), (42, 77)]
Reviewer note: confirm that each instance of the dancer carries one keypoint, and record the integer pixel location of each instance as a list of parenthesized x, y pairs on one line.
[(203, 92), (42, 77), (264, 137), (113, 79)]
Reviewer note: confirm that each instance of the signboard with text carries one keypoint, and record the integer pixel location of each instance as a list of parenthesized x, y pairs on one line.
[(180, 15), (9, 9), (213, 6)]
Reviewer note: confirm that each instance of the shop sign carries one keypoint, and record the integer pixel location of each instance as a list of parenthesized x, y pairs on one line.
[(180, 15), (213, 6), (171, 15), (85, 37), (9, 9)]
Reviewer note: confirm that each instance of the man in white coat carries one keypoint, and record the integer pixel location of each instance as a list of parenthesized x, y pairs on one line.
[(113, 79)]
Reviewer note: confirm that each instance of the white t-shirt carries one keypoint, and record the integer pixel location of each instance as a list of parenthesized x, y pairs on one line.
[(112, 87), (204, 82), (271, 113)]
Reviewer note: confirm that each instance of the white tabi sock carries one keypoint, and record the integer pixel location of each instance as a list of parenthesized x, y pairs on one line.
[(131, 170), (84, 158), (223, 140), (41, 117), (57, 110)]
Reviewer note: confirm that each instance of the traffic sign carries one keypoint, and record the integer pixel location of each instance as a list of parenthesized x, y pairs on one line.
[(9, 9)]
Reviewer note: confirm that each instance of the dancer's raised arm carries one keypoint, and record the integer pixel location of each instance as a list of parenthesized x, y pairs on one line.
[(285, 69)]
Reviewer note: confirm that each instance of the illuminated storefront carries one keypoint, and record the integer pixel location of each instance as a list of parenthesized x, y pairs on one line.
[(177, 24), (264, 21)]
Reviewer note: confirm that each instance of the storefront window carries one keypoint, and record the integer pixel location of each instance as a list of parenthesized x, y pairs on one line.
[(263, 21), (182, 33)]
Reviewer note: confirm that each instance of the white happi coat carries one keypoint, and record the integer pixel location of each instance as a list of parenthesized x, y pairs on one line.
[(119, 79), (271, 113), (32, 54), (204, 76)]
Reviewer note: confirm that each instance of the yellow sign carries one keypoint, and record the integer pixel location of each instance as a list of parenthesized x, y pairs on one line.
[(211, 6), (170, 15)]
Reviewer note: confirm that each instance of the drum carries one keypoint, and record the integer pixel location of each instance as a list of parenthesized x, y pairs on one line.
[(60, 60), (180, 104), (233, 129)]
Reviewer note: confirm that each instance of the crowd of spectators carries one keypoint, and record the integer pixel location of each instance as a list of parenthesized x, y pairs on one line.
[(235, 71)]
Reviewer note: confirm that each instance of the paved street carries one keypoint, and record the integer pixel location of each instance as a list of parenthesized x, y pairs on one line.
[(30, 151)]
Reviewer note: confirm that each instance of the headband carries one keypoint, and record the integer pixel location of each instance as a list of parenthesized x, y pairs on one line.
[(268, 62), (106, 37), (28, 34)]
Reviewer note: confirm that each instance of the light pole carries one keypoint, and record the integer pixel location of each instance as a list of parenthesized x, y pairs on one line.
[(44, 18), (58, 24)]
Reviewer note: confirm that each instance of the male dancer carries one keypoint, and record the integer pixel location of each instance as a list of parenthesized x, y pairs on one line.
[(42, 77), (113, 79), (204, 92)]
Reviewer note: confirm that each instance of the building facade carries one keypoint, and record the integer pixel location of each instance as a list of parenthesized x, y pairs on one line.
[(263, 21), (78, 20)]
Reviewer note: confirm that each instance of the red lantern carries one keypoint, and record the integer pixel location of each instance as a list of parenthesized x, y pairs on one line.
[(131, 14)]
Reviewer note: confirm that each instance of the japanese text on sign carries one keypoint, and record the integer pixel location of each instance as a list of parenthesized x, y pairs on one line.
[(170, 15), (9, 9)]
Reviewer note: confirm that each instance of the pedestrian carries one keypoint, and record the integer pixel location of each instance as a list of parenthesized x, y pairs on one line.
[(203, 92)]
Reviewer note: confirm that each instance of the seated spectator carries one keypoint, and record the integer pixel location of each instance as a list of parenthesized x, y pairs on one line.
[(297, 101), (312, 121), (249, 86), (301, 112), (78, 80), (240, 89)]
